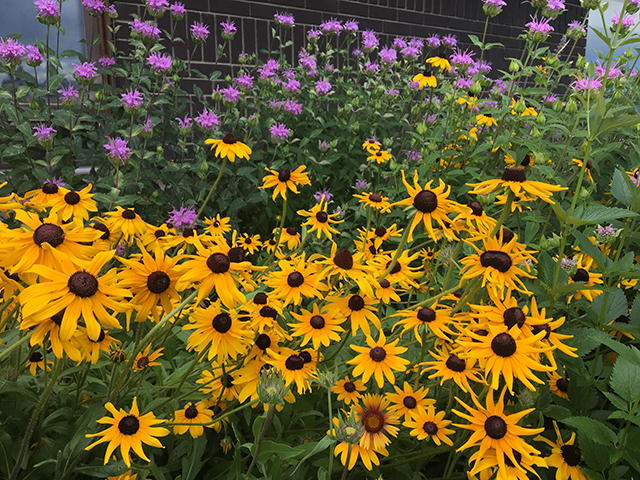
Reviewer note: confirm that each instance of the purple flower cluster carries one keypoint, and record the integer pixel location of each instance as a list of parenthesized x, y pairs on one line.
[(331, 27), (11, 52), (230, 94), (199, 32), (177, 11), (43, 134), (184, 125), (538, 29), (307, 62), (450, 41), (410, 53), (313, 35), (117, 149), (291, 85), (68, 96), (34, 58), (228, 30), (207, 120), (160, 63), (131, 101), (106, 62), (586, 85), (182, 217), (433, 41), (269, 69), (361, 184), (157, 7), (47, 11), (284, 19), (290, 106), (85, 72), (323, 193), (493, 7), (279, 132), (388, 55), (462, 60), (147, 31), (350, 26), (369, 40), (244, 81), (95, 8), (413, 155)]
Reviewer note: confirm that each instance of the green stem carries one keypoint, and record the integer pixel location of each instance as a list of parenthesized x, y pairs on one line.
[(346, 463), (282, 219), (267, 421), (206, 200), (16, 345), (399, 251)]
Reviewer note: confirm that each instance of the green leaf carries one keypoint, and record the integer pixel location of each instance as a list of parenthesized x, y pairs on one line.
[(192, 464), (596, 430), (546, 268), (585, 339), (615, 307), (625, 379), (603, 262), (616, 401), (323, 444), (600, 214), (13, 150), (475, 40), (593, 453), (197, 91), (630, 353), (619, 188), (626, 416), (619, 121)]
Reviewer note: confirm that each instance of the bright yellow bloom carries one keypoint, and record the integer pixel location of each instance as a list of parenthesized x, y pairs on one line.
[(229, 147), (379, 360)]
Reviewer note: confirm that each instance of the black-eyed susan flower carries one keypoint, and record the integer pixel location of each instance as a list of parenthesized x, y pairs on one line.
[(401, 272), (558, 385), (44, 195), (431, 205), (191, 413), (385, 292), (380, 156), (433, 319), (74, 205), (229, 147), (126, 223), (368, 456), (294, 367), (347, 266), (129, 431), (360, 310), (371, 145), (36, 361), (145, 360), (378, 420), (219, 382), (51, 326), (589, 278), (250, 243), (493, 428), (426, 423), (379, 360), (566, 457), (425, 79), (92, 347), (128, 475), (373, 200), (407, 401), (319, 220), (157, 237), (284, 180), (218, 331), (317, 326), (77, 291), (295, 280), (452, 367), (487, 464), (217, 226), (439, 62), (515, 179), (475, 217), (290, 236), (348, 391), (486, 119)]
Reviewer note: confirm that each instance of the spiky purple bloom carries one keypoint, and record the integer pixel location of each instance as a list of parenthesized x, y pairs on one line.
[(388, 55), (369, 40), (106, 62), (567, 263), (351, 26), (464, 83), (269, 69), (627, 23), (450, 41), (361, 184), (228, 30), (182, 217), (68, 96), (131, 101), (410, 53), (291, 85), (324, 192), (244, 81), (11, 52), (357, 53), (160, 63), (431, 118), (538, 29), (313, 35), (462, 60), (85, 72), (586, 85), (307, 61), (47, 11), (372, 68), (492, 8), (121, 247), (331, 27), (279, 132), (184, 125), (147, 126), (575, 30), (433, 41), (416, 43), (413, 155), (399, 43), (292, 106), (323, 87), (199, 32), (230, 94), (43, 134), (117, 149), (207, 120), (550, 98), (177, 11), (157, 7), (147, 31), (34, 58), (285, 19), (111, 11), (392, 92)]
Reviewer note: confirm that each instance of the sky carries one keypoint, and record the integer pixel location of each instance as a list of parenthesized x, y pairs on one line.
[(595, 21)]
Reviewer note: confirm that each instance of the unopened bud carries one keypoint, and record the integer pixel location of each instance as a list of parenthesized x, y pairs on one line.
[(571, 107), (581, 62), (514, 67)]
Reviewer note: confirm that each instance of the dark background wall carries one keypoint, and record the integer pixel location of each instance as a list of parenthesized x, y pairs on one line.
[(388, 18)]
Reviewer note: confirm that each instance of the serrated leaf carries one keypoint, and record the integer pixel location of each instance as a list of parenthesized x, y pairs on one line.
[(592, 452), (546, 268), (619, 188), (620, 120), (596, 430), (600, 214), (616, 401), (615, 307), (585, 339), (625, 379), (626, 416)]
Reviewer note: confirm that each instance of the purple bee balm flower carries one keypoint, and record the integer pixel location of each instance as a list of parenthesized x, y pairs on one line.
[(177, 11), (351, 26), (323, 87), (357, 53), (410, 53), (182, 217), (111, 11), (131, 101), (306, 61), (433, 41), (586, 85), (47, 11), (550, 98), (493, 7), (538, 29), (413, 155), (416, 43), (121, 248), (627, 23), (43, 135), (106, 62), (292, 85), (199, 32), (207, 120), (285, 19), (372, 68), (11, 52), (228, 30), (450, 41), (361, 184), (244, 81), (159, 63), (464, 83), (275, 105), (614, 71), (34, 58), (431, 118), (157, 7), (575, 30), (331, 27), (313, 35), (292, 106), (147, 126), (388, 55), (462, 60), (369, 40), (414, 85), (146, 31), (184, 125), (484, 67), (117, 149), (68, 96), (324, 192), (85, 72), (230, 94), (279, 132), (392, 92), (399, 43)]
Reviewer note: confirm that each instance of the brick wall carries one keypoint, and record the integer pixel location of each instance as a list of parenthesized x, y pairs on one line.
[(388, 18)]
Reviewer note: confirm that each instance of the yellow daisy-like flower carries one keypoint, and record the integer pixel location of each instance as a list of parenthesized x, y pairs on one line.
[(487, 464), (401, 273), (217, 226), (129, 431), (348, 391), (558, 385), (435, 320), (285, 179), (379, 360), (191, 413), (431, 204), (360, 310), (515, 179), (294, 367), (493, 428), (290, 236), (128, 475), (407, 402), (475, 217), (229, 147), (250, 243), (36, 361), (74, 205), (347, 266), (144, 360), (426, 423), (587, 277), (528, 111), (486, 119), (51, 326), (426, 79), (380, 156), (373, 200), (42, 196), (369, 457), (294, 281), (92, 348), (320, 220), (320, 327), (452, 367), (377, 419), (126, 223), (565, 456), (220, 382), (439, 62), (158, 237), (371, 145)]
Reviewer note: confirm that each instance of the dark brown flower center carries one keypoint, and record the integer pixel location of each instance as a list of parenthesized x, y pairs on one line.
[(514, 174), (377, 354), (375, 198), (294, 362), (263, 341), (284, 175), (244, 316), (581, 275), (129, 425), (143, 362), (373, 421), (159, 233), (268, 312), (495, 427), (102, 228), (571, 455), (83, 284), (456, 363), (504, 345), (218, 263), (295, 279), (191, 411), (349, 387), (305, 356), (36, 357), (317, 322), (409, 402), (228, 381), (72, 198), (426, 201), (426, 315), (344, 259), (189, 232), (430, 428), (292, 231), (476, 209), (516, 455), (563, 385), (356, 303), (50, 188), (229, 139), (396, 267), (128, 214), (513, 316), (101, 337), (260, 298), (507, 235), (158, 282), (385, 283), (538, 328), (52, 234), (380, 231), (237, 254), (322, 217), (495, 258), (57, 318), (222, 322)]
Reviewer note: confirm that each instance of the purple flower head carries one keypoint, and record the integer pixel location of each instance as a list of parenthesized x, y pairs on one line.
[(392, 92), (34, 58), (413, 85), (464, 83), (285, 19), (538, 29), (147, 126), (627, 23), (117, 149), (131, 101), (199, 32), (614, 71), (146, 31), (47, 11), (372, 68), (207, 120), (587, 85), (567, 263), (361, 184), (230, 94), (369, 40), (575, 30), (228, 30), (410, 53), (106, 62), (68, 96), (307, 61), (157, 7), (121, 248), (450, 41), (291, 85), (388, 55), (85, 72), (462, 60), (484, 67), (43, 134), (413, 155), (416, 43), (177, 11), (11, 52), (184, 125), (111, 11), (323, 87), (313, 35), (431, 118), (244, 81), (324, 146), (292, 106), (550, 98), (275, 105), (182, 217), (269, 69), (433, 41), (399, 43), (357, 53), (331, 27), (553, 8), (279, 132), (324, 192), (159, 63), (351, 26), (493, 7)]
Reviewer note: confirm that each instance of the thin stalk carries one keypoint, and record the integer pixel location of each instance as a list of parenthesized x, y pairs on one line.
[(16, 345), (267, 421), (346, 463), (206, 200)]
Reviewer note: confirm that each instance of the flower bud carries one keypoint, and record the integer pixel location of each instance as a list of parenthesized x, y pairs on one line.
[(514, 67), (584, 193), (520, 106), (581, 62), (422, 128), (571, 107), (475, 88), (100, 95), (590, 4), (203, 168), (541, 119), (557, 106), (271, 386)]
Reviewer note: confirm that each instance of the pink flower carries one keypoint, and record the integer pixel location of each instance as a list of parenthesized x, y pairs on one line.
[(48, 11), (117, 149), (199, 32), (85, 72), (160, 63)]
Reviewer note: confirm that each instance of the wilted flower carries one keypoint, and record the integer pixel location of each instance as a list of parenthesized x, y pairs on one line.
[(159, 63), (34, 58), (47, 11), (199, 32), (117, 150), (271, 387), (279, 132)]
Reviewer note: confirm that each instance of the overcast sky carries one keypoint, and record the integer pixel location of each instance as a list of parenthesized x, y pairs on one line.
[(595, 21)]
